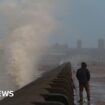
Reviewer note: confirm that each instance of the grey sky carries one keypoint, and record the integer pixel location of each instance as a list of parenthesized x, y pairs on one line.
[(80, 19), (76, 19)]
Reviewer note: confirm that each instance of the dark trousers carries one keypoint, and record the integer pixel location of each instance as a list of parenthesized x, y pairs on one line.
[(87, 89)]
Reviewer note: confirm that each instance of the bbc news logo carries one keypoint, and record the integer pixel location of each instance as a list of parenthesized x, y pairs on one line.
[(4, 94)]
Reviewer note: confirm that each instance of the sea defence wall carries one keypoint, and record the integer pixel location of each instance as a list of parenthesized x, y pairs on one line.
[(54, 87)]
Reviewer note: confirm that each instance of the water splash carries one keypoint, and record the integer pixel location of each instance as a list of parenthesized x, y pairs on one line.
[(30, 25)]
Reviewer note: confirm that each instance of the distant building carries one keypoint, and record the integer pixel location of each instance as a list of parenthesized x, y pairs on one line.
[(101, 43), (60, 53), (79, 44)]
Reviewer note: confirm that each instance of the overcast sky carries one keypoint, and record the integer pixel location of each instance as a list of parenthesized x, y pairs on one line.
[(80, 19), (76, 19)]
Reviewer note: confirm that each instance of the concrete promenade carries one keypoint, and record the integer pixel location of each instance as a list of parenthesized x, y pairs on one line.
[(55, 88), (97, 86)]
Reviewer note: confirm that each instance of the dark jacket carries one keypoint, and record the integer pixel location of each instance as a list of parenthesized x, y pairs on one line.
[(83, 75)]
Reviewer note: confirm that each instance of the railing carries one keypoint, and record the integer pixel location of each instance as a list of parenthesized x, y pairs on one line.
[(53, 88)]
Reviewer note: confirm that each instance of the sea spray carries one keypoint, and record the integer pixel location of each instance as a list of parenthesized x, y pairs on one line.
[(30, 26)]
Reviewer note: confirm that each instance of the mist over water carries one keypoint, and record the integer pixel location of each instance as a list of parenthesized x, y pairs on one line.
[(30, 23)]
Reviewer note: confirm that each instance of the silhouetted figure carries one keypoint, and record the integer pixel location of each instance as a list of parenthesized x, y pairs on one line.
[(83, 76)]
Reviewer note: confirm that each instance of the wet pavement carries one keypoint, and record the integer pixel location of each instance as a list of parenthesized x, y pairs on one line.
[(97, 90), (97, 93)]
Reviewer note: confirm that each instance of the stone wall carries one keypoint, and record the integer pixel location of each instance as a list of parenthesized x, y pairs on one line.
[(53, 88)]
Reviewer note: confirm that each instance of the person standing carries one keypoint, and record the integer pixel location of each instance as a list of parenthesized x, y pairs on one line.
[(83, 76)]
